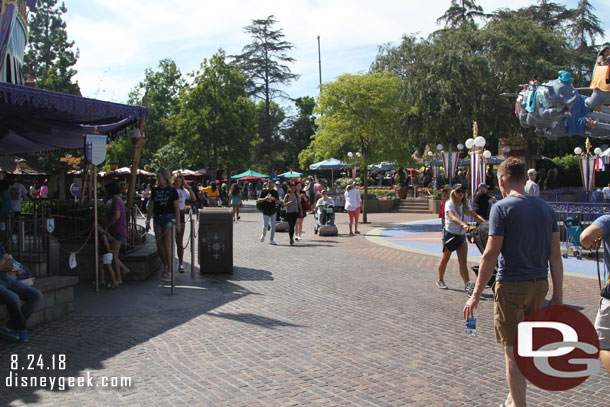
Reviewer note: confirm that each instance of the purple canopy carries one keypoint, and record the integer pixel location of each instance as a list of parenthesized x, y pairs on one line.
[(34, 120)]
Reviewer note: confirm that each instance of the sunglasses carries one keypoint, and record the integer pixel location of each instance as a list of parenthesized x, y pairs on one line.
[(460, 191)]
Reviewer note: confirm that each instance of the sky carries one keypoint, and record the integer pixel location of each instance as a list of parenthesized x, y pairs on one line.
[(119, 39)]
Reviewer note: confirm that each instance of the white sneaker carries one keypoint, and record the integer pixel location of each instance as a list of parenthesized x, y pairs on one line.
[(441, 284), (262, 238), (273, 243)]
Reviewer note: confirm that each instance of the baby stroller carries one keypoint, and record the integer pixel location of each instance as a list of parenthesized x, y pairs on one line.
[(281, 223), (325, 221), (480, 235), (573, 231)]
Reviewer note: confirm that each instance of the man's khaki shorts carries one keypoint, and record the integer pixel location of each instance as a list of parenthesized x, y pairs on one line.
[(514, 300), (602, 324)]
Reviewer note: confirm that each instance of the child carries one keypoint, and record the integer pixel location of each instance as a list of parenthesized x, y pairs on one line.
[(106, 257)]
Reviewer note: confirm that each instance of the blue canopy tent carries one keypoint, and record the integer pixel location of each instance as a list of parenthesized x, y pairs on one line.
[(291, 174), (330, 164)]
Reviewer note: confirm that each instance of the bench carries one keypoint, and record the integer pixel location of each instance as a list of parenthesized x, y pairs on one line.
[(58, 300)]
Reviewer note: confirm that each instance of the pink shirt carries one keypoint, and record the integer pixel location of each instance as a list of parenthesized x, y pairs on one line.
[(317, 188)]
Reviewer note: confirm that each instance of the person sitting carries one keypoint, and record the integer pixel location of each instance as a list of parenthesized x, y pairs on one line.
[(12, 292), (321, 204)]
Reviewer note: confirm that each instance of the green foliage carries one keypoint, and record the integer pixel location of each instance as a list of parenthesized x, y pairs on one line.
[(542, 175), (162, 88), (461, 12), (359, 113), (265, 61), (299, 130), (401, 178), (49, 55), (455, 76), (216, 122), (568, 171), (170, 156), (551, 180)]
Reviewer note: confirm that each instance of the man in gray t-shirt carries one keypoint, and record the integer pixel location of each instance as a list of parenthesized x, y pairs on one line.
[(523, 232), (600, 229)]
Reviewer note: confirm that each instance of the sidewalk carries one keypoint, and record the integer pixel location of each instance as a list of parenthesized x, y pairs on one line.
[(330, 321)]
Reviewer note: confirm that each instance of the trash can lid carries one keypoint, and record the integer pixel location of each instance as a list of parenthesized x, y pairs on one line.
[(216, 214)]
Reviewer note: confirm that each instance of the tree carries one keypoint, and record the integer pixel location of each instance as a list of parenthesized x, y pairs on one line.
[(265, 61), (359, 113), (275, 153), (170, 156), (584, 27), (461, 12), (162, 87), (216, 122), (49, 55), (300, 129), (456, 76)]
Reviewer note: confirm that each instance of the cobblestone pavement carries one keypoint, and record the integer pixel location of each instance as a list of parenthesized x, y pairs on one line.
[(331, 321)]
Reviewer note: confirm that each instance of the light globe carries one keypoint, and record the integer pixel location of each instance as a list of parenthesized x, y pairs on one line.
[(460, 147), (469, 143), (578, 151), (480, 141), (439, 147), (598, 151), (487, 154)]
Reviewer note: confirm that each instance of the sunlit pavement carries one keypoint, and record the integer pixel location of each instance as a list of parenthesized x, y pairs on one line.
[(330, 321)]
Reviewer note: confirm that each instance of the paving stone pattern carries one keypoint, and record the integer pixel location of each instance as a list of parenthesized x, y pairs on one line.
[(331, 321)]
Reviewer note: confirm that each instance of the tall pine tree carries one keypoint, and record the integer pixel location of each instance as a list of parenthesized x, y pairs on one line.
[(584, 28), (265, 61), (49, 55)]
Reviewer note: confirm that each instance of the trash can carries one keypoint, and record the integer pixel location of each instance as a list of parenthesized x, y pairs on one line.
[(216, 240)]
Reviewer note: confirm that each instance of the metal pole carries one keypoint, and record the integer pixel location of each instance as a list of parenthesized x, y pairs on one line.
[(173, 253), (319, 61), (192, 243), (97, 250)]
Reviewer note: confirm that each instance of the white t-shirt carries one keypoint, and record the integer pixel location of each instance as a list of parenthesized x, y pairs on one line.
[(352, 199), (183, 195), (449, 225), (606, 192), (17, 191), (531, 188)]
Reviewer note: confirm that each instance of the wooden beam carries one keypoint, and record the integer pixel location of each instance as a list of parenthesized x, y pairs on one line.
[(138, 144)]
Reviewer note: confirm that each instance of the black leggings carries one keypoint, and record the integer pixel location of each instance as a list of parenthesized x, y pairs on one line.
[(292, 220)]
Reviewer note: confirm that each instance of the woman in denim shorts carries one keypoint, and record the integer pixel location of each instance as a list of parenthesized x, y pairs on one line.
[(165, 206), (116, 225)]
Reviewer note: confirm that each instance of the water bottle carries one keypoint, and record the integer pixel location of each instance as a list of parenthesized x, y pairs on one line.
[(471, 327)]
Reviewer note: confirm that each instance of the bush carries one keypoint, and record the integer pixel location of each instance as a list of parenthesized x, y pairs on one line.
[(551, 180)]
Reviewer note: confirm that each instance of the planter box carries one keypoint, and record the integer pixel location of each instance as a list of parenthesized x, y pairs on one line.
[(380, 205), (434, 205)]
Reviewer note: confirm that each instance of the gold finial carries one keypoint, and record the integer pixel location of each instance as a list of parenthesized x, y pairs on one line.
[(588, 146), (475, 129)]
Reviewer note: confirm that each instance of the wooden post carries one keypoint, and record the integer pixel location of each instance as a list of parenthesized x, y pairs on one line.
[(85, 184), (137, 150)]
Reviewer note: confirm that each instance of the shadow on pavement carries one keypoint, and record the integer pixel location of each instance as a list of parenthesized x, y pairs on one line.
[(239, 274), (254, 319), (108, 323)]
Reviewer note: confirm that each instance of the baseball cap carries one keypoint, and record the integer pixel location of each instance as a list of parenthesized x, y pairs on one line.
[(483, 185), (531, 171)]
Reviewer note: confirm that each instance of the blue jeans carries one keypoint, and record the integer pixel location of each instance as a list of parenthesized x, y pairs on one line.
[(11, 294), (266, 220)]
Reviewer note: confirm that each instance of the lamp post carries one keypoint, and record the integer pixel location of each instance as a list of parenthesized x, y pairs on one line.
[(588, 162), (351, 156), (478, 157)]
